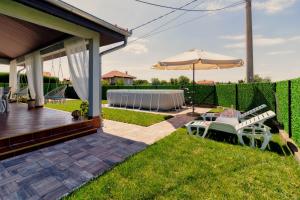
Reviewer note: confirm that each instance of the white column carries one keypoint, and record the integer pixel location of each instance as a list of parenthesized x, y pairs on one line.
[(94, 78), (13, 76), (38, 81)]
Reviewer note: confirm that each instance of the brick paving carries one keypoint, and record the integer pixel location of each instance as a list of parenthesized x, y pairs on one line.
[(52, 172)]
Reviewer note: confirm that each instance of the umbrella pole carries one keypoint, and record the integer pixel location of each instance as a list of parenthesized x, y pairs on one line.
[(193, 106)]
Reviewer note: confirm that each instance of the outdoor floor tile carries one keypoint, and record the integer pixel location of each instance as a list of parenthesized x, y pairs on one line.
[(54, 171)]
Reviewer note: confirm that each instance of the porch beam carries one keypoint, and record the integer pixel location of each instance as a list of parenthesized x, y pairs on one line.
[(94, 78), (49, 51), (4, 61), (20, 11)]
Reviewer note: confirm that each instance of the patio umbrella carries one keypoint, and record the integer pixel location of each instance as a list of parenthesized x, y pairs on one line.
[(198, 60)]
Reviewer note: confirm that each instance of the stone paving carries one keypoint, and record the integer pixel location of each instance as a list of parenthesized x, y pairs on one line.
[(52, 172)]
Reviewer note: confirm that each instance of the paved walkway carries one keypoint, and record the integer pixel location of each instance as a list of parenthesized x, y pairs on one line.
[(55, 171)]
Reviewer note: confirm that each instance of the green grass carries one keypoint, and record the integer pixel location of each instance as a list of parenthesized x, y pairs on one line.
[(218, 109), (185, 167), (126, 116)]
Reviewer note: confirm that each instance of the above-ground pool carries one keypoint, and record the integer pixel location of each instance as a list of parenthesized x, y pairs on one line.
[(146, 99)]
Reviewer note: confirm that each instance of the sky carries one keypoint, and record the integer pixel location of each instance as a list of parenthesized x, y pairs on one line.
[(276, 29)]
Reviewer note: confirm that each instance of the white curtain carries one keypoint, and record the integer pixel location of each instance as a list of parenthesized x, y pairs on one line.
[(78, 59), (13, 76), (38, 79), (34, 72), (30, 74)]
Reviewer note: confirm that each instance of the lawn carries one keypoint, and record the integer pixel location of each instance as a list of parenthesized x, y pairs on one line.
[(218, 109), (184, 167), (126, 116)]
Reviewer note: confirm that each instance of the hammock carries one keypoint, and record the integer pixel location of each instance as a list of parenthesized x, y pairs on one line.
[(22, 92), (56, 95)]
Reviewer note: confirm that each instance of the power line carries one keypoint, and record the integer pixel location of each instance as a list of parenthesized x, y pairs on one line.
[(162, 16), (175, 26), (191, 10), (166, 23)]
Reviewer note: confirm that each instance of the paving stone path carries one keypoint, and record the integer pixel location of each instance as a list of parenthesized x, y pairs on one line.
[(52, 172)]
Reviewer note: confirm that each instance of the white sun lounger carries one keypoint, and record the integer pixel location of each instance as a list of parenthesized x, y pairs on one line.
[(252, 128), (252, 111), (242, 117)]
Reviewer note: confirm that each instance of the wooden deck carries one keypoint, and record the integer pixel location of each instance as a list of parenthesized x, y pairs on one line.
[(22, 129)]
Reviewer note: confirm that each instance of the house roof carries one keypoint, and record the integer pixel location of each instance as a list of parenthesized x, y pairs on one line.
[(68, 12), (205, 82), (20, 37), (113, 74)]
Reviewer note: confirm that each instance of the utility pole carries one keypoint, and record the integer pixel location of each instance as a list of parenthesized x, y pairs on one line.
[(249, 41)]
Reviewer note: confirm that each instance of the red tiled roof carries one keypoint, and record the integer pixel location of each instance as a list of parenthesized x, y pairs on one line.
[(47, 74), (117, 74), (205, 82)]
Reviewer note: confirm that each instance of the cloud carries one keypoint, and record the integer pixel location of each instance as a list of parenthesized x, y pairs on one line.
[(232, 37), (258, 40), (273, 6), (211, 5), (275, 53), (136, 46)]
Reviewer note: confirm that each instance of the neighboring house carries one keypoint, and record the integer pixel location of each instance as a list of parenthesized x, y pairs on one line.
[(205, 82), (113, 76), (47, 74)]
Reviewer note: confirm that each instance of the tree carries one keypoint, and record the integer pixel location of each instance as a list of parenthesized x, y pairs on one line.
[(174, 81), (140, 82), (120, 82), (104, 82), (258, 79), (155, 81), (163, 82), (183, 80)]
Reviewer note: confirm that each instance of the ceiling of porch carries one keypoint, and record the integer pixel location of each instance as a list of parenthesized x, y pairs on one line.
[(18, 37)]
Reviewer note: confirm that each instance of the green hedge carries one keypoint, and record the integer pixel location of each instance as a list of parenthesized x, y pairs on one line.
[(226, 95), (204, 94), (4, 78), (295, 98), (282, 104), (255, 94)]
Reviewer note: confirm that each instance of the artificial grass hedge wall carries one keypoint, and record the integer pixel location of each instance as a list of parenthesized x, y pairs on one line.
[(295, 98), (226, 95), (4, 78), (282, 104), (204, 95), (255, 94)]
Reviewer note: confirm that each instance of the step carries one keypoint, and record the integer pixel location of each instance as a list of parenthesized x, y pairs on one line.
[(17, 150), (20, 144)]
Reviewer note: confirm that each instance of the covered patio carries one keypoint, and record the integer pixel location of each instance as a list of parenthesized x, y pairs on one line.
[(35, 31)]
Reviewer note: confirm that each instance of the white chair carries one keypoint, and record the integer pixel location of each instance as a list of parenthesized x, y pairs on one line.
[(251, 112), (252, 128), (2, 103), (241, 117)]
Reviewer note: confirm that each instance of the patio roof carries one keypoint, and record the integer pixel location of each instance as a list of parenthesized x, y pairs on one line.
[(19, 37)]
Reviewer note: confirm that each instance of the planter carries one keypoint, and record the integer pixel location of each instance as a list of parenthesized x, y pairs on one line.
[(31, 104), (76, 114)]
